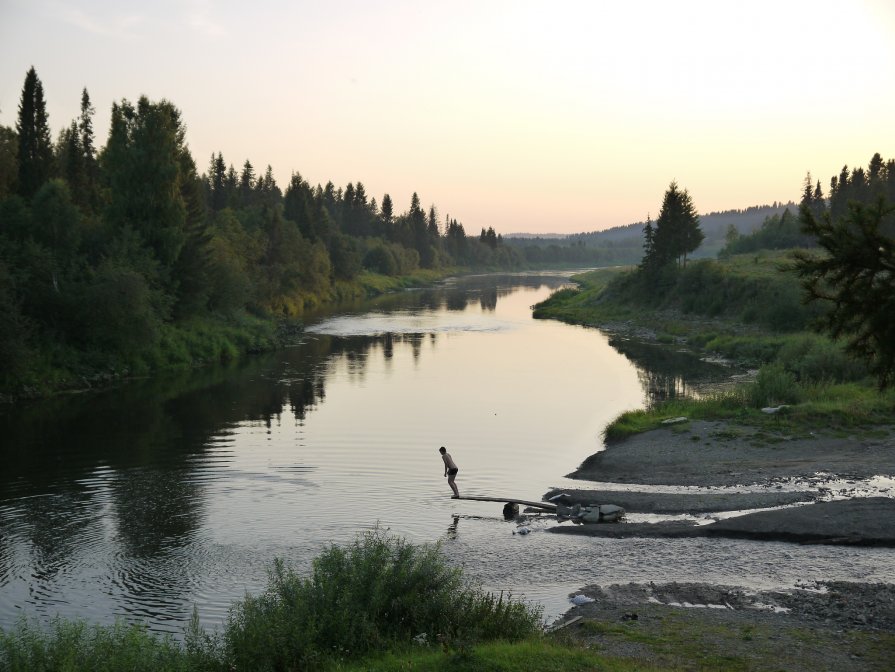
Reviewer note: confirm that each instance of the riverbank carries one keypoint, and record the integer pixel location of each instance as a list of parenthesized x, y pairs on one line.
[(724, 479), (831, 472), (52, 368), (841, 626)]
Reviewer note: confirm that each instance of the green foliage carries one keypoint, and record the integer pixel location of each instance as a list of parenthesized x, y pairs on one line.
[(856, 279), (390, 258), (773, 386), (676, 233), (148, 168), (365, 597), (75, 645), (711, 407), (14, 330), (35, 149), (9, 167), (814, 359), (729, 289), (778, 232), (344, 251), (110, 258), (534, 655), (750, 351)]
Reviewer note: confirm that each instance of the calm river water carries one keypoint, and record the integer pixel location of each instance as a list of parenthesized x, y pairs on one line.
[(140, 502)]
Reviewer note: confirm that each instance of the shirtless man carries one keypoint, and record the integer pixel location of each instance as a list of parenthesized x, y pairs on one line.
[(450, 470)]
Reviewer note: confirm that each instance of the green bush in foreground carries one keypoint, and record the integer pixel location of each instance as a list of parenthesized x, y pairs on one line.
[(368, 598), (378, 592)]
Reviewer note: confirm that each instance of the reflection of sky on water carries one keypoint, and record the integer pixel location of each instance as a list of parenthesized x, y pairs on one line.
[(377, 324)]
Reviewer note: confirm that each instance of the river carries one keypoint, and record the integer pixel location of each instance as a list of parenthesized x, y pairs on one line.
[(142, 502)]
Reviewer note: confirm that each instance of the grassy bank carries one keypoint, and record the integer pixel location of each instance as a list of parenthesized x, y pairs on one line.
[(746, 309)]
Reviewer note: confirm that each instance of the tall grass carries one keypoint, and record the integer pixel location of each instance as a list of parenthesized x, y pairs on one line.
[(75, 645)]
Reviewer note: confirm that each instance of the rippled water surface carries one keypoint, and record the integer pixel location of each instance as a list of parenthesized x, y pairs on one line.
[(143, 501)]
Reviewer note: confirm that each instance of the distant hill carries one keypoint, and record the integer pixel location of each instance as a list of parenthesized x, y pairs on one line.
[(713, 224), (624, 244)]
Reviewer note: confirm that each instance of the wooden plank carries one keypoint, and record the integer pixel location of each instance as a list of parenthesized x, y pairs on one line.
[(538, 505), (554, 628)]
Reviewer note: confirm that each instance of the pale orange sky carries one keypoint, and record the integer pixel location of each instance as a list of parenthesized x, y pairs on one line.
[(525, 116)]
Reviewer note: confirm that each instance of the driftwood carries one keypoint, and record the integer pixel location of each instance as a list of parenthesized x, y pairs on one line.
[(564, 624)]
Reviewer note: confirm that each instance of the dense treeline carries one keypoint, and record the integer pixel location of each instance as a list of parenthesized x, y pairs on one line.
[(786, 230), (125, 257), (778, 232)]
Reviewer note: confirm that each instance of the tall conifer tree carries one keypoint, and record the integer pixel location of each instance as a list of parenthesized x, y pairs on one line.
[(35, 155)]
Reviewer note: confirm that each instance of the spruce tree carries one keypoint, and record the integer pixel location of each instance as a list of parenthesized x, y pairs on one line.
[(677, 231), (856, 278), (35, 151), (90, 196)]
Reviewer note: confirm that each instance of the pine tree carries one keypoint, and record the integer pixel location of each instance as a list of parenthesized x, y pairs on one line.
[(246, 184), (35, 151), (649, 235), (70, 160), (217, 183), (432, 225), (90, 197), (857, 279), (386, 216), (677, 231)]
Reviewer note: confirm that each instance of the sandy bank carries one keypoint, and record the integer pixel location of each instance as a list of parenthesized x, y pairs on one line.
[(718, 455)]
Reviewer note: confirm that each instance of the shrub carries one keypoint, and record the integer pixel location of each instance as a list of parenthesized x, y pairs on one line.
[(814, 359), (774, 385), (364, 597)]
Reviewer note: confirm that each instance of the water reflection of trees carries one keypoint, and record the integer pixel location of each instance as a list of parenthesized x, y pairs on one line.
[(667, 373), (456, 295), (127, 459)]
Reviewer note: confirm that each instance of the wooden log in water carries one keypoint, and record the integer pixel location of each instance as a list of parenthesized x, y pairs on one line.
[(547, 506)]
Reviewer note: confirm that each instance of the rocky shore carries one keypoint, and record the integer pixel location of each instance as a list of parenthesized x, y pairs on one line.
[(720, 479)]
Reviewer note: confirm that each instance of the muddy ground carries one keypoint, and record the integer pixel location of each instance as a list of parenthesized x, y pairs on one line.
[(803, 483)]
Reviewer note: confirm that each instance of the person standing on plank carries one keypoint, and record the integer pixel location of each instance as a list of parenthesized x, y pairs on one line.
[(450, 470)]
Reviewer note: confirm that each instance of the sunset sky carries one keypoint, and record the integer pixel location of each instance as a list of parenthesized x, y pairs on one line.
[(525, 116)]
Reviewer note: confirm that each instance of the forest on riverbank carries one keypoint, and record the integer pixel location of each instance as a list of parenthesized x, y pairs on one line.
[(805, 300), (120, 259)]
